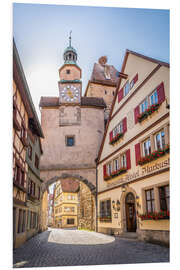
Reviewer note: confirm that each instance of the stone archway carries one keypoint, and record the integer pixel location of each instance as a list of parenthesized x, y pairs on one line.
[(87, 197), (124, 208), (66, 175)]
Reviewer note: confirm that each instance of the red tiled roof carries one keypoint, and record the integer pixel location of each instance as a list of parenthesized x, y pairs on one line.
[(70, 185), (99, 75)]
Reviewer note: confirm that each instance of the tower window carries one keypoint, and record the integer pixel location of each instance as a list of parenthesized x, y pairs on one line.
[(67, 71), (70, 140), (105, 92), (113, 93)]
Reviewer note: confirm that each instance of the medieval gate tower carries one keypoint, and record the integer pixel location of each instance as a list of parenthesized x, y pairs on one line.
[(73, 128)]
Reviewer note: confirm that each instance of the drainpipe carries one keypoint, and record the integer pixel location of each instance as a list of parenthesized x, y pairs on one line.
[(96, 197)]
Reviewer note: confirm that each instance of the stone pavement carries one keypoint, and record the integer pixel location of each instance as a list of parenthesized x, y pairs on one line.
[(58, 247)]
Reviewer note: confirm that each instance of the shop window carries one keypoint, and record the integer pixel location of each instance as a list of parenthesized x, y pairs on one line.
[(164, 198), (105, 209), (150, 205)]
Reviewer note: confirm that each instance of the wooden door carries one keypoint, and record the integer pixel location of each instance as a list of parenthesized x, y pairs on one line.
[(130, 213)]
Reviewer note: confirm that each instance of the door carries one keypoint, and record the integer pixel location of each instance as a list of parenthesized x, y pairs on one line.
[(130, 213)]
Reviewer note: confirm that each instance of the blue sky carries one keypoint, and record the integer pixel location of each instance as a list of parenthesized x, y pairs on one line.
[(41, 35)]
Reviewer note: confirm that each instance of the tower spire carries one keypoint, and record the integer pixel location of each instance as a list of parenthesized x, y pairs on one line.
[(70, 38)]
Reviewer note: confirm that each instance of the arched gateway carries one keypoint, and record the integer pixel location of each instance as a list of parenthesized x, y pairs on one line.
[(86, 207), (52, 180)]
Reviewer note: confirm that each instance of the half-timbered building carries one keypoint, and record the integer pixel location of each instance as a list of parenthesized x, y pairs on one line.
[(25, 121)]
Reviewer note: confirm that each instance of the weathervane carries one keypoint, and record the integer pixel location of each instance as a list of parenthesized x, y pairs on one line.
[(70, 39)]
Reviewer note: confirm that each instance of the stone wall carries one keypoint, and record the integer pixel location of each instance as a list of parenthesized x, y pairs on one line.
[(86, 208), (154, 236)]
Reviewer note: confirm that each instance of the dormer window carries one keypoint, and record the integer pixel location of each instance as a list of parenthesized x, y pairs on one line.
[(107, 72)]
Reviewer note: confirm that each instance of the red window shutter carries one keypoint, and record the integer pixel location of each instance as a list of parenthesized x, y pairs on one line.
[(137, 152), (110, 136), (135, 78), (161, 93), (120, 95), (136, 114), (104, 170), (124, 124), (128, 159)]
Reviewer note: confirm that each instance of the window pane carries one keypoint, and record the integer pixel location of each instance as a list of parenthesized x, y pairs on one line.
[(167, 203), (158, 143), (167, 191), (153, 206), (156, 97), (146, 104), (152, 193), (163, 204), (70, 141), (151, 100), (149, 206), (148, 195), (163, 138)]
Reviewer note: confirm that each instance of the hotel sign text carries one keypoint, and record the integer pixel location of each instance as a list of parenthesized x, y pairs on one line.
[(144, 171)]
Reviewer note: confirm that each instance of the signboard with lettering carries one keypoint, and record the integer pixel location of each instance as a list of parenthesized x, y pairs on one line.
[(141, 172)]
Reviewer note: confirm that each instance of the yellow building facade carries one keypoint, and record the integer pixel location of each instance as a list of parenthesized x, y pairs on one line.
[(133, 162), (66, 204)]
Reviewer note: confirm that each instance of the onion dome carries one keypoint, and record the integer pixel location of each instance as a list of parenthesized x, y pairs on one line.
[(70, 54)]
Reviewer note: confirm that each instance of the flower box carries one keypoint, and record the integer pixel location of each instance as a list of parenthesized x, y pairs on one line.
[(153, 156), (105, 219), (155, 215), (148, 112), (116, 138), (115, 173)]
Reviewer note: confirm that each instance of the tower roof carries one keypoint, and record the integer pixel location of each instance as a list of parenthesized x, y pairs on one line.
[(70, 54)]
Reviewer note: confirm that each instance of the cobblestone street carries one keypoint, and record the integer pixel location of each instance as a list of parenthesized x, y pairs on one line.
[(58, 247)]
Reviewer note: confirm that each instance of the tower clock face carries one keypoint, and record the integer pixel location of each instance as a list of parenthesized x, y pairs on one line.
[(70, 93)]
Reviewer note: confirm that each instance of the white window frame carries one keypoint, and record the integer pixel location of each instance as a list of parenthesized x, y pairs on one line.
[(153, 97), (116, 164), (161, 141), (109, 168), (144, 105), (127, 83), (123, 161), (148, 140)]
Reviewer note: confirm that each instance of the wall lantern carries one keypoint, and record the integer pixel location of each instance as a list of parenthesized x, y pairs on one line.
[(137, 201), (116, 205), (123, 188)]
